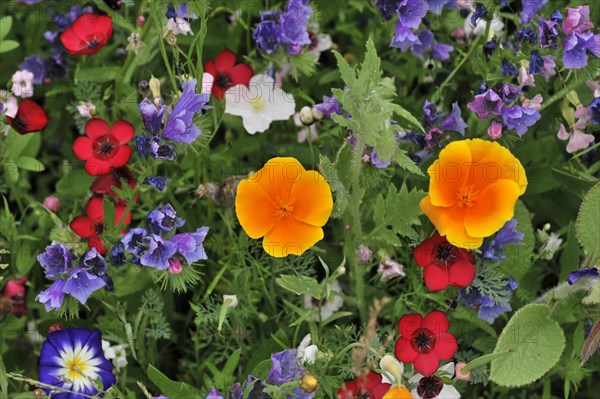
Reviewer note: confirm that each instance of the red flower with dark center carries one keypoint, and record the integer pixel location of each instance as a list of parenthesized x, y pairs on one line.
[(104, 183), (368, 386), (87, 35), (226, 73), (424, 341), (92, 225), (30, 117), (104, 147), (444, 263), (430, 387), (15, 290)]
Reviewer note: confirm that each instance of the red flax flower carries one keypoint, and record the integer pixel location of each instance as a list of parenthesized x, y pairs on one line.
[(444, 263), (104, 184), (367, 386), (87, 35), (424, 341), (92, 225), (104, 147), (226, 73), (30, 117)]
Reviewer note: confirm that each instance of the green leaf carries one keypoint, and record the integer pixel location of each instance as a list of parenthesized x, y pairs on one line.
[(5, 26), (301, 285), (587, 226), (109, 215), (346, 71), (519, 257), (533, 343), (8, 45), (469, 316), (17, 143), (407, 116), (29, 163), (97, 74), (74, 183), (171, 389), (327, 168), (569, 259), (406, 163)]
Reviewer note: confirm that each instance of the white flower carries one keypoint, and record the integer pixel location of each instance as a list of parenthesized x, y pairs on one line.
[(233, 300), (207, 83), (550, 246), (8, 104), (86, 110), (525, 77), (390, 269), (329, 306), (259, 104), (178, 26), (447, 392), (135, 43), (392, 368), (307, 353), (33, 333), (22, 84), (116, 353), (495, 29)]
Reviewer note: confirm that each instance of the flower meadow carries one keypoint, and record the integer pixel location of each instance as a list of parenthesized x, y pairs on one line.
[(253, 199)]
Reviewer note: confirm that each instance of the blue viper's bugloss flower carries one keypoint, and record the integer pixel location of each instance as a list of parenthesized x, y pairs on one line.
[(56, 259), (557, 17), (411, 12), (486, 104), (577, 45), (582, 273), (183, 11), (142, 144), (93, 263), (117, 254), (189, 245), (507, 68), (158, 182), (454, 121), (73, 359), (404, 38), (53, 297), (158, 253), (508, 234), (294, 26), (36, 66), (378, 162), (536, 63), (488, 308), (163, 219), (441, 51), (82, 284), (329, 106), (161, 151), (180, 126), (527, 35), (387, 8), (530, 8), (430, 114), (594, 110), (135, 241), (489, 48), (479, 12), (213, 394), (520, 118), (152, 115), (171, 13), (285, 367), (267, 36), (548, 33)]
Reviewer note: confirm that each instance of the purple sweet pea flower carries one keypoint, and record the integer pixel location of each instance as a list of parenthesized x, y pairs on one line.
[(411, 12), (329, 106), (82, 284), (53, 297), (582, 273), (135, 241), (575, 46), (158, 253), (578, 20), (508, 234), (152, 115), (387, 8), (180, 126), (486, 104), (56, 259), (158, 182), (594, 110), (454, 121), (508, 92), (404, 38), (163, 219), (161, 151), (519, 118), (267, 36), (189, 245), (294, 26), (36, 66), (93, 263), (549, 68), (530, 8), (183, 11), (548, 33), (236, 391), (378, 162), (285, 367)]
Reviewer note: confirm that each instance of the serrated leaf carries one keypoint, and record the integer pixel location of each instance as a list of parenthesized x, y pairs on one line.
[(592, 343), (327, 168), (519, 257), (346, 71), (301, 285), (469, 316), (588, 226), (533, 343), (406, 163), (407, 116)]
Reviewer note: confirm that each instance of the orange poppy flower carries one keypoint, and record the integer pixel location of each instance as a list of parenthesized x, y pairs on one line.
[(473, 188), (398, 393), (285, 204)]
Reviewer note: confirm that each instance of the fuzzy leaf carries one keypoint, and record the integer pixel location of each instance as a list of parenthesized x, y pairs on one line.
[(519, 257), (301, 285), (534, 343), (327, 168), (396, 214), (588, 226), (407, 116), (592, 343)]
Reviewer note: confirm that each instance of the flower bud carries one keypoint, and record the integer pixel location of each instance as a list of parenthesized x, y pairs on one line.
[(15, 290), (52, 203), (309, 383), (460, 375), (364, 254), (306, 116), (391, 365), (316, 114), (86, 110), (140, 20), (175, 266), (39, 394), (144, 88), (155, 87), (56, 327), (495, 130), (233, 300)]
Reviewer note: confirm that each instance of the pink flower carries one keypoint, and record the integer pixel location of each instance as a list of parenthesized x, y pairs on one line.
[(495, 130), (390, 269), (525, 77), (578, 140), (86, 110), (535, 102), (52, 203), (175, 266)]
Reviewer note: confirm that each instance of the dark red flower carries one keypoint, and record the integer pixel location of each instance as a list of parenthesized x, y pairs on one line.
[(87, 35), (104, 184), (15, 290), (104, 147), (226, 73), (367, 386), (424, 341), (444, 263), (92, 225), (30, 117)]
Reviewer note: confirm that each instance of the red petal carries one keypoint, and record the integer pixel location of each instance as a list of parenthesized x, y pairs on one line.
[(436, 322), (404, 351), (380, 390), (83, 148), (209, 67), (347, 391), (121, 157), (103, 184), (218, 92), (95, 209), (409, 323), (92, 27), (445, 346), (436, 278), (123, 131), (241, 75), (369, 381), (426, 253), (83, 226), (225, 61), (426, 363), (72, 43), (96, 127), (96, 242), (32, 117), (119, 212), (96, 167), (461, 273)]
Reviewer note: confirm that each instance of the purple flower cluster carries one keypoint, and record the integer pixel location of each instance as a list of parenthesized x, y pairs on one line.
[(155, 245), (79, 281), (492, 249), (489, 306), (436, 131), (289, 28)]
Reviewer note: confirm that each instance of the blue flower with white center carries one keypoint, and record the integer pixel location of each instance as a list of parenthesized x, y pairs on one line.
[(72, 360)]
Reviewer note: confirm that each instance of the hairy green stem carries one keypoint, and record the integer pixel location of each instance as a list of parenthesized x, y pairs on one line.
[(562, 93), (480, 361)]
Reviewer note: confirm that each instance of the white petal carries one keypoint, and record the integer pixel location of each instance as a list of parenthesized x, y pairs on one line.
[(448, 368), (256, 123), (310, 354), (207, 83), (448, 392), (281, 107), (236, 101)]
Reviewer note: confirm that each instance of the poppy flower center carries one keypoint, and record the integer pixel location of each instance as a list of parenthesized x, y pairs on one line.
[(430, 387), (223, 80), (105, 147), (423, 340), (285, 206), (93, 42), (466, 196), (444, 253), (362, 394)]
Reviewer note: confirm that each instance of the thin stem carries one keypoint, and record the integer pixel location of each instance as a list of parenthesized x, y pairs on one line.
[(562, 93), (161, 43), (480, 361)]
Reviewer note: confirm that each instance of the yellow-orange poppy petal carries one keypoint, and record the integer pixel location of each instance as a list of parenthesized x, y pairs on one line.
[(449, 173), (449, 222), (278, 176), (254, 209), (312, 198), (493, 207), (290, 236)]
